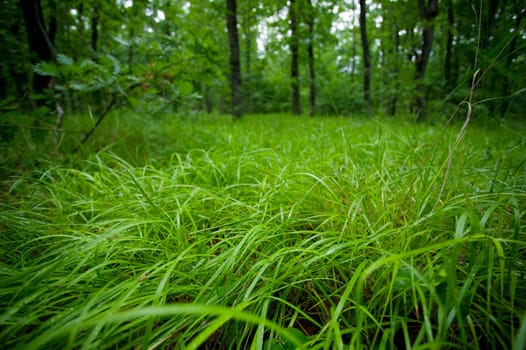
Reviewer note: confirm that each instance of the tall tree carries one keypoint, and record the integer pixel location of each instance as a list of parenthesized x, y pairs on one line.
[(519, 12), (449, 71), (235, 66), (310, 53), (393, 99), (40, 42), (428, 11), (13, 73), (366, 57), (294, 68), (94, 29), (247, 23)]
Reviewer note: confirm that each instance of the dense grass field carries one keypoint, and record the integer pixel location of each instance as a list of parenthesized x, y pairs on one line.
[(272, 232)]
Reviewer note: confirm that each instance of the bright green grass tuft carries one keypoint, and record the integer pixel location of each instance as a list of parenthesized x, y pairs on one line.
[(269, 233)]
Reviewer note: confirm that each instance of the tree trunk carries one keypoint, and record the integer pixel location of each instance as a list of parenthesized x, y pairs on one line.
[(449, 73), (167, 28), (16, 79), (366, 58), (294, 69), (520, 12), (489, 20), (235, 67), (247, 35), (427, 13), (394, 70), (310, 53), (94, 29), (131, 35), (77, 50), (40, 44), (207, 98), (53, 24)]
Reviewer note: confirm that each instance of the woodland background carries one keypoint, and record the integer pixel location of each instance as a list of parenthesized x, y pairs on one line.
[(331, 57)]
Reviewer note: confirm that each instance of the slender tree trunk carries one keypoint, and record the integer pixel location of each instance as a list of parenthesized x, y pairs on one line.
[(79, 22), (520, 12), (207, 98), (130, 49), (294, 69), (427, 13), (353, 49), (235, 67), (353, 56), (94, 29), (15, 77), (310, 53), (394, 70), (40, 44), (247, 34), (247, 80), (366, 58), (489, 20), (134, 13), (449, 72), (167, 28), (53, 23)]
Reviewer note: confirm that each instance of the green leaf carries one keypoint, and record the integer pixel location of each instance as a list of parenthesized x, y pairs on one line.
[(65, 60), (285, 343), (79, 86), (46, 69), (296, 333), (461, 223), (116, 64), (121, 41)]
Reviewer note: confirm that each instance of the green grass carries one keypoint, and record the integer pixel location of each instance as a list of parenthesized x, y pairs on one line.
[(267, 233)]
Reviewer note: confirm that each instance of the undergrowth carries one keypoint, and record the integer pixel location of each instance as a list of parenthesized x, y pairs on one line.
[(268, 233)]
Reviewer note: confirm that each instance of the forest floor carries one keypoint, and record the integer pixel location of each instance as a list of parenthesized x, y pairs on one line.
[(272, 232)]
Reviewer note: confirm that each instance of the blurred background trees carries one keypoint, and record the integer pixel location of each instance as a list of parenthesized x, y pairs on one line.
[(301, 56)]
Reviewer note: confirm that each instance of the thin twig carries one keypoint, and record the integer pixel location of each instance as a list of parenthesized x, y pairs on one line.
[(106, 110), (101, 117)]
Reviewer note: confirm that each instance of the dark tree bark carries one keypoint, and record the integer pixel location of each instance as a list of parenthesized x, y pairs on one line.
[(489, 21), (134, 13), (310, 54), (14, 82), (207, 99), (366, 58), (53, 24), (131, 35), (394, 70), (40, 44), (428, 11), (235, 66), (94, 29), (450, 67), (167, 27), (77, 50), (247, 22), (353, 56), (519, 14), (294, 69)]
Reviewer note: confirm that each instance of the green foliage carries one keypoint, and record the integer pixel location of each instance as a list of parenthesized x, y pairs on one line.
[(181, 47), (84, 76), (286, 344)]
